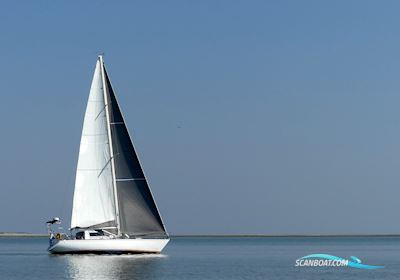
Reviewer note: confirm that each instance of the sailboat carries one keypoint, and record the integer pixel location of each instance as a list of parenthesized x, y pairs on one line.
[(113, 208)]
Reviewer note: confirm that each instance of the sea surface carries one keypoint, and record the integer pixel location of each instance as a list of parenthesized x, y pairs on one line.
[(206, 258)]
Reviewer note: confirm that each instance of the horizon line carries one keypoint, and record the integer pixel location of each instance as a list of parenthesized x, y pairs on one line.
[(27, 234)]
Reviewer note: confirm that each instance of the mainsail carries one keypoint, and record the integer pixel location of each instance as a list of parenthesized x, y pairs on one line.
[(123, 198), (93, 202)]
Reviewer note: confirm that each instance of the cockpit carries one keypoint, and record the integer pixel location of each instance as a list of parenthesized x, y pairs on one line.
[(91, 234)]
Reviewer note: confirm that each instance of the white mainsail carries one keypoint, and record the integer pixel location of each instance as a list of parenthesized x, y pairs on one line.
[(94, 202)]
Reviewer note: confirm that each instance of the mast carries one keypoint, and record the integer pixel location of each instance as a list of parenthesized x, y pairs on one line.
[(114, 181)]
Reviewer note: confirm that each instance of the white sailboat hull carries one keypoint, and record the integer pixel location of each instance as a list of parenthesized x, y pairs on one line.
[(108, 246)]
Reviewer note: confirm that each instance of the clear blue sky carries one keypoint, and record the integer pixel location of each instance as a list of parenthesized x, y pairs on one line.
[(248, 116)]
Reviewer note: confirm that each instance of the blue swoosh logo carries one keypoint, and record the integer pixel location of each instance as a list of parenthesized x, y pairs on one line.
[(355, 262), (355, 259)]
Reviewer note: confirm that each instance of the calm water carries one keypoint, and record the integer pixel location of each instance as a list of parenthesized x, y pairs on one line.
[(205, 258)]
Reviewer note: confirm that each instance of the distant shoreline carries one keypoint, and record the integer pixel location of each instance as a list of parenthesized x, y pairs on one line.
[(23, 234), (284, 235)]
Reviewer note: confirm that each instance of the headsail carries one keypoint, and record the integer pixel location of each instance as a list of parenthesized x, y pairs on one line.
[(93, 203), (138, 213)]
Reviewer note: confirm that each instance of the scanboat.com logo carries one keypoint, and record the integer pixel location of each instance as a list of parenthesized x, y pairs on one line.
[(329, 260)]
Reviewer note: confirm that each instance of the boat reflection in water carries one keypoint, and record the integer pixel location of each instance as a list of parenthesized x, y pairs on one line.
[(113, 267)]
